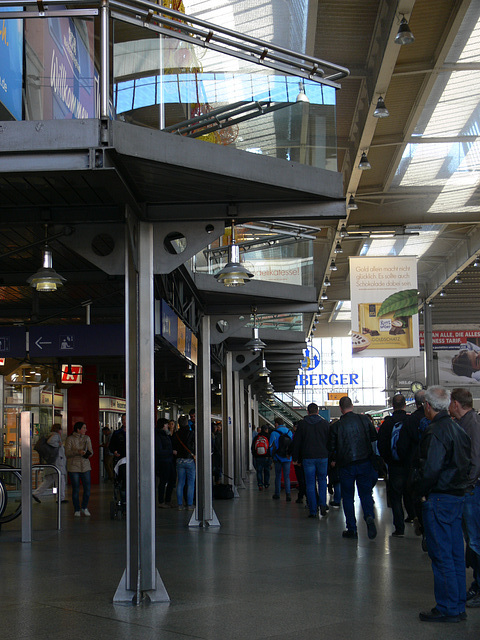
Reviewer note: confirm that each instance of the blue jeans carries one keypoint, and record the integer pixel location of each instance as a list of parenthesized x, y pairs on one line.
[(75, 478), (263, 471), (185, 473), (285, 467), (360, 474), (442, 521), (471, 528), (315, 470), (337, 492)]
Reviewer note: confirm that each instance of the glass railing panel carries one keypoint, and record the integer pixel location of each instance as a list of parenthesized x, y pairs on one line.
[(50, 70), (187, 90), (271, 258), (60, 82)]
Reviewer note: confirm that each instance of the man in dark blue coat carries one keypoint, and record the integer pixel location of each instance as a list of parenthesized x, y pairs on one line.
[(310, 447)]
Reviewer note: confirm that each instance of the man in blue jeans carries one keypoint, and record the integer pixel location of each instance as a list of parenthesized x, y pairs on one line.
[(461, 408), (350, 442), (444, 470), (279, 448), (310, 448)]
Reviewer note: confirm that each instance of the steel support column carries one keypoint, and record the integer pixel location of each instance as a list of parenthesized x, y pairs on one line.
[(228, 418), (204, 514), (237, 430), (431, 366), (26, 449), (140, 580), (249, 422)]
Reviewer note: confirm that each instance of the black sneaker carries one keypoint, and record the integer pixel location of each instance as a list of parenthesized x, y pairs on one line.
[(312, 515), (275, 497), (472, 592), (289, 497), (408, 520), (474, 602), (424, 545), (436, 616), (349, 534), (323, 510), (371, 528), (397, 534), (335, 505), (417, 527)]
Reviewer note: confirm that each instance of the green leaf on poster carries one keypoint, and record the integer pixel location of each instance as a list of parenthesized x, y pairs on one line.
[(399, 300)]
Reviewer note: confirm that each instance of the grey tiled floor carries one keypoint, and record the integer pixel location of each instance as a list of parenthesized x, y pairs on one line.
[(268, 572)]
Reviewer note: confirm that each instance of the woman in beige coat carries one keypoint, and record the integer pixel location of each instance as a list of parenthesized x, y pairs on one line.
[(78, 449)]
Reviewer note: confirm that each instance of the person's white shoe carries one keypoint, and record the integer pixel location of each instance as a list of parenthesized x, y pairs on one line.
[(86, 512), (77, 514)]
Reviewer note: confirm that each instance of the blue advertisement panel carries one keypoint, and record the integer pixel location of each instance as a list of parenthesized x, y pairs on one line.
[(60, 74), (11, 64), (169, 325)]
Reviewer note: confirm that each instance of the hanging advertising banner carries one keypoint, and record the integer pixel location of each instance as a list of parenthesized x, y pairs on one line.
[(11, 65), (61, 82), (384, 299), (457, 358)]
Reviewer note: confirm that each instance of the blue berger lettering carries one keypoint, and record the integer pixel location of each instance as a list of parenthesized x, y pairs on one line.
[(328, 380)]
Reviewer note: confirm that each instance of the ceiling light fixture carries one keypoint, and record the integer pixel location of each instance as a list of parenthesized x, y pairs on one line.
[(381, 110), (302, 96), (189, 373), (364, 163), (404, 35), (352, 205), (233, 273), (333, 266), (321, 307), (326, 282), (442, 293), (264, 371), (343, 231), (323, 296), (338, 248), (476, 263), (255, 344), (46, 278), (458, 280)]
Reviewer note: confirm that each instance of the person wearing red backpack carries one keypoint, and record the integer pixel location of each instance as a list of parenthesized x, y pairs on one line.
[(261, 457)]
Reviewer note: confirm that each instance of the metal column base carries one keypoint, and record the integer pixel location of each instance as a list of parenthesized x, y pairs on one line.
[(213, 522), (129, 596)]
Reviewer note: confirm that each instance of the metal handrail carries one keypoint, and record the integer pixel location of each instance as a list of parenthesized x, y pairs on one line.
[(18, 473), (199, 32)]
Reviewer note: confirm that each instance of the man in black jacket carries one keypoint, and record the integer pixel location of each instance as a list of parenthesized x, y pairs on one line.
[(310, 447), (461, 408), (398, 468), (350, 440), (444, 471)]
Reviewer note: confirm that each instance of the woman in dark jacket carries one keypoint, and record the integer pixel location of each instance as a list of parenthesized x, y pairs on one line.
[(183, 442), (164, 466)]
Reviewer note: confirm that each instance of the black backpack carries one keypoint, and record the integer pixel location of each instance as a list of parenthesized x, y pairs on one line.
[(46, 452), (284, 445)]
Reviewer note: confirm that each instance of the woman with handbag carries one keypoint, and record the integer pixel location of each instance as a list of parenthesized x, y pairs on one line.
[(78, 449)]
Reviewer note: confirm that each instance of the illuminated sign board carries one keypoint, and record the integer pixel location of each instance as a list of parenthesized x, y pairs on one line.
[(72, 374)]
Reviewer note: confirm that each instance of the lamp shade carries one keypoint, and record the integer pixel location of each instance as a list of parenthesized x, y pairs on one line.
[(233, 273), (404, 35), (46, 278), (381, 110), (364, 163)]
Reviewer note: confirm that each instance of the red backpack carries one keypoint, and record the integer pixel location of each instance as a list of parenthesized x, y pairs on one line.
[(261, 445)]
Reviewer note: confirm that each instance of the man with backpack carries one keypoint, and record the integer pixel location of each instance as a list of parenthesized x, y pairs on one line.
[(310, 446), (398, 468), (281, 450), (261, 458)]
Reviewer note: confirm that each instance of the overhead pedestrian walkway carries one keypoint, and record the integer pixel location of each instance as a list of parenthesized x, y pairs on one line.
[(267, 572)]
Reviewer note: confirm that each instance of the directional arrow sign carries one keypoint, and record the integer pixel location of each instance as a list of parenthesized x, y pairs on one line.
[(40, 342)]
